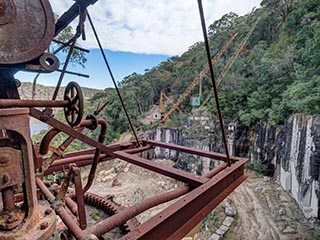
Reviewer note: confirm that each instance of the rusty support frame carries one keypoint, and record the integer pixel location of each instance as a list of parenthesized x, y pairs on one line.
[(126, 214), (162, 169), (71, 14), (179, 218), (177, 174), (202, 153)]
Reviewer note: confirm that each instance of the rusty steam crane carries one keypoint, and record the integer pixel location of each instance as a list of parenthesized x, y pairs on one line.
[(30, 205)]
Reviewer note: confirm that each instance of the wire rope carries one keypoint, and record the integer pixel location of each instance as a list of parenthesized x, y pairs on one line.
[(112, 78), (215, 89)]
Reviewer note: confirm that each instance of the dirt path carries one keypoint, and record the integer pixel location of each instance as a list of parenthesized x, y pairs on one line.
[(266, 212)]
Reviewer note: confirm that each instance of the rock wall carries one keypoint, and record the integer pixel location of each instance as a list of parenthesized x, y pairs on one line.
[(291, 153), (199, 132), (294, 152)]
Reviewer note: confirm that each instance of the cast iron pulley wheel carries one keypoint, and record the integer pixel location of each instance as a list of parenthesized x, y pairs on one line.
[(74, 110), (26, 29)]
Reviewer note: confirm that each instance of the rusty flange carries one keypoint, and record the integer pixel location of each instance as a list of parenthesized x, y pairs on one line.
[(26, 30)]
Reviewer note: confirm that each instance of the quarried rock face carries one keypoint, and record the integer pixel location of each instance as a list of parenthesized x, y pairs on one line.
[(290, 153), (299, 162), (294, 152)]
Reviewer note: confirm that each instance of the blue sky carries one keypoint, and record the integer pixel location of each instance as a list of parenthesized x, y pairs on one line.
[(122, 64), (139, 34)]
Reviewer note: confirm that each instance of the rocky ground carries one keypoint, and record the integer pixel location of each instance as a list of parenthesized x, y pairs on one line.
[(266, 212), (263, 210), (130, 184)]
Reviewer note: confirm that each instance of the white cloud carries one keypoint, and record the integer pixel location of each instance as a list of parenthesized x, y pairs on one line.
[(153, 26)]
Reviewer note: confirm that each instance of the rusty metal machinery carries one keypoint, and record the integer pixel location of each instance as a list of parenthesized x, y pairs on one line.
[(29, 204), (22, 37)]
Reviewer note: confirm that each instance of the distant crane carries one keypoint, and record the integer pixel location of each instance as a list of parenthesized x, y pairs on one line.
[(232, 60), (161, 107), (197, 80)]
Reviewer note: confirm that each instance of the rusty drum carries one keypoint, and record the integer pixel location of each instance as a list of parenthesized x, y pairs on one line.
[(26, 29)]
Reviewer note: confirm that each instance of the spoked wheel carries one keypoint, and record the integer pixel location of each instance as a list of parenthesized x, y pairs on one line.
[(74, 110)]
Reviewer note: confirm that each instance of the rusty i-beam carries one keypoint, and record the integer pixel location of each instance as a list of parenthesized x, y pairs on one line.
[(23, 165)]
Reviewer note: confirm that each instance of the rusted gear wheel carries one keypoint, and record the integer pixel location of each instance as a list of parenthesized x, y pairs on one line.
[(74, 110)]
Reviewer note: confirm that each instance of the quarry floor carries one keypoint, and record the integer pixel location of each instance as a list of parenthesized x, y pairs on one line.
[(264, 210)]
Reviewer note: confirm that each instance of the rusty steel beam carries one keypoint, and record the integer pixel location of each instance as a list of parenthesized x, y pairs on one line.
[(79, 197), (177, 174), (68, 45), (178, 219), (198, 152), (82, 159), (128, 213), (162, 169), (71, 14), (8, 103), (68, 130)]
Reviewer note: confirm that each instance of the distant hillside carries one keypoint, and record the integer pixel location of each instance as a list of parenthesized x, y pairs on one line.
[(46, 92), (275, 75)]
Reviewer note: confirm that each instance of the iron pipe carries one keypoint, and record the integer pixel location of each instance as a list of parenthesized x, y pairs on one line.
[(45, 142), (102, 137), (128, 213), (46, 192), (71, 205), (57, 205), (85, 160), (7, 103), (44, 145), (70, 223)]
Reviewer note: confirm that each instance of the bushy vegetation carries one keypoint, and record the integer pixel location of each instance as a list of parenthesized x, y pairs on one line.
[(276, 74)]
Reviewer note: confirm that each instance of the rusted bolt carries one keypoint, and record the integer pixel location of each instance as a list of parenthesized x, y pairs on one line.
[(5, 178), (44, 225), (48, 211)]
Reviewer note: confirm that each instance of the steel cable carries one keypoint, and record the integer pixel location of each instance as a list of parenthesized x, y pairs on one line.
[(215, 89), (113, 79)]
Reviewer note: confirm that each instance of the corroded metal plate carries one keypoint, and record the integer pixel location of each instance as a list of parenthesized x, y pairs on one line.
[(26, 29), (10, 164)]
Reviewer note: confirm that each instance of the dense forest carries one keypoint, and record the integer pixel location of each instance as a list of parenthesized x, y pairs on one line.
[(276, 74)]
